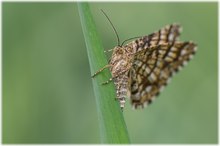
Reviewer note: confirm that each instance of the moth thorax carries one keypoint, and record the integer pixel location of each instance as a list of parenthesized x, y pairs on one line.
[(121, 83), (119, 66)]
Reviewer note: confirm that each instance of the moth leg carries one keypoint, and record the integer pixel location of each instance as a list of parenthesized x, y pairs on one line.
[(106, 82), (109, 80), (106, 66), (108, 50)]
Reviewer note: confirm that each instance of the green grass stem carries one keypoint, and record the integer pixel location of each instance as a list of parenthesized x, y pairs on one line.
[(113, 129)]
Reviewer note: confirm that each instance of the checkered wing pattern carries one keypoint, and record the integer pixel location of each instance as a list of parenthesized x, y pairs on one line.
[(158, 57)]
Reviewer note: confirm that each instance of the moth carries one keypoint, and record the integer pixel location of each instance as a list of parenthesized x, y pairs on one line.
[(142, 68)]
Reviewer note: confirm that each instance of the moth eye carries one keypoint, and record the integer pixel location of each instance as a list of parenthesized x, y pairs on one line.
[(120, 51)]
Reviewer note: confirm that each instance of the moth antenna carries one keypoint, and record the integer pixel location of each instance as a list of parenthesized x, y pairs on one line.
[(112, 27), (130, 39)]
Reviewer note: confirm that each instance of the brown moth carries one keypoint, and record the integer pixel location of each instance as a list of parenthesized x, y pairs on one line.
[(142, 68)]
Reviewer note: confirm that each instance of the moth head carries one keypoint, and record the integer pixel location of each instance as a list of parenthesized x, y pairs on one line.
[(119, 50)]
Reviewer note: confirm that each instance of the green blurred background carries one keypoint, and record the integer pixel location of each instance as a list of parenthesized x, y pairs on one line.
[(47, 90)]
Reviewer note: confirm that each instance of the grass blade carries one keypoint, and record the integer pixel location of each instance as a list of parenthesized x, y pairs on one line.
[(112, 125)]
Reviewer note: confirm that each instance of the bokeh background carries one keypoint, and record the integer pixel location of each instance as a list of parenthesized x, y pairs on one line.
[(47, 90)]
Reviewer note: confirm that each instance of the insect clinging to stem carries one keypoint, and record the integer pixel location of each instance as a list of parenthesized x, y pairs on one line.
[(142, 68)]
